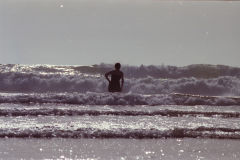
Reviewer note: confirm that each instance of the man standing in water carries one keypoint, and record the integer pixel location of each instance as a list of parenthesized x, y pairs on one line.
[(116, 75)]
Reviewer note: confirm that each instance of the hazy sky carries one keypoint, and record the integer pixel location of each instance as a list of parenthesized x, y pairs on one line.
[(85, 32)]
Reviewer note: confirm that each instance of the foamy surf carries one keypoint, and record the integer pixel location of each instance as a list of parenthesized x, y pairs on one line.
[(47, 101), (202, 79), (77, 112), (92, 98), (112, 126)]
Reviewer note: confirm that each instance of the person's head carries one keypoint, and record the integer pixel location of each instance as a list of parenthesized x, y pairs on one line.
[(117, 66)]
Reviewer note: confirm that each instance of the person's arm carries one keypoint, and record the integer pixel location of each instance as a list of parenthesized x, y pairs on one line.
[(107, 74), (122, 82)]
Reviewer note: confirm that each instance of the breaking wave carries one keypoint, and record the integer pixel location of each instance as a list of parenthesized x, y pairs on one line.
[(46, 132), (74, 112), (141, 80), (117, 99), (45, 101)]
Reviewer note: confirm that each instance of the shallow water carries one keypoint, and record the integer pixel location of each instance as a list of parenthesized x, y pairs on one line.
[(120, 149), (74, 121)]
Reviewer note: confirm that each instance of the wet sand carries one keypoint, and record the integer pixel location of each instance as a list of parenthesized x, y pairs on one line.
[(119, 149)]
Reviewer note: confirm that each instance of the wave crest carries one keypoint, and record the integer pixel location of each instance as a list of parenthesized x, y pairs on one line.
[(141, 80), (25, 82), (118, 99), (75, 112), (200, 132)]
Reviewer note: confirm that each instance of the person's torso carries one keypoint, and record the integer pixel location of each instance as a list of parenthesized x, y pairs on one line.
[(116, 76)]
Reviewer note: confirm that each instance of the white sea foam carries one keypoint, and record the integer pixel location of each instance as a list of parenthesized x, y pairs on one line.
[(32, 96), (92, 98), (141, 80), (21, 111), (51, 132)]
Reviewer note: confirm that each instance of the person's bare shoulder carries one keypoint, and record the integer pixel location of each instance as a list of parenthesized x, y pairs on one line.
[(110, 72), (113, 72)]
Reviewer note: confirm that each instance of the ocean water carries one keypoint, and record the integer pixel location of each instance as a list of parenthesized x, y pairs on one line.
[(158, 102)]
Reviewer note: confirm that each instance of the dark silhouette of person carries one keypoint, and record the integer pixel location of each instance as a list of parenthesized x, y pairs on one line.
[(116, 76)]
